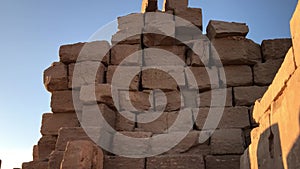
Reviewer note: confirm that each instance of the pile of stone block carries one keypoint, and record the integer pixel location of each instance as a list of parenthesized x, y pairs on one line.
[(248, 68)]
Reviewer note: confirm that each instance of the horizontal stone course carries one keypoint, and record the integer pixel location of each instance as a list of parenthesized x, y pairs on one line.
[(264, 73), (246, 96), (55, 77), (275, 48)]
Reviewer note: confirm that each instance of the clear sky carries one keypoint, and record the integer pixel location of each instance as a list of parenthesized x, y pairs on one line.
[(31, 32)]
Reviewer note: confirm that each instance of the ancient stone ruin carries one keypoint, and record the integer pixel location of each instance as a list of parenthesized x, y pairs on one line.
[(181, 90)]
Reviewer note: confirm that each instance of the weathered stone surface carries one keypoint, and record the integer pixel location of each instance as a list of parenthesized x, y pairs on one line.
[(69, 53), (153, 122), (180, 120), (35, 165), (88, 72), (67, 134), (192, 15), (123, 71), (127, 55), (228, 162), (206, 98), (220, 29), (52, 122), (275, 48), (55, 77), (176, 161), (190, 98), (172, 102), (294, 24), (149, 6), (245, 161), (100, 93), (238, 76), (236, 51), (35, 153), (82, 154), (46, 145), (169, 77), (133, 20), (129, 36), (175, 4), (264, 73), (125, 121), (206, 78), (65, 101), (232, 117), (140, 101), (246, 96), (199, 55), (55, 159), (123, 162), (227, 141)]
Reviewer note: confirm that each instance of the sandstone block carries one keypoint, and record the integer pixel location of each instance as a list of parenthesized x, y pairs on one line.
[(123, 162), (169, 77), (264, 73), (175, 4), (235, 51), (35, 165), (55, 77), (294, 24), (35, 153), (245, 161), (88, 72), (192, 15), (135, 101), (238, 76), (52, 122), (126, 55), (82, 154), (133, 20), (45, 146), (233, 117), (167, 101), (228, 161), (67, 134), (227, 141), (199, 55), (215, 98), (246, 96), (275, 48), (220, 29), (129, 36), (125, 121), (176, 161), (153, 122), (123, 72), (55, 159), (66, 101), (180, 120), (149, 6), (190, 98), (100, 93), (206, 78), (69, 53)]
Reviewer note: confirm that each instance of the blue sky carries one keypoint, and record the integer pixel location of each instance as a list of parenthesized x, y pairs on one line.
[(31, 32)]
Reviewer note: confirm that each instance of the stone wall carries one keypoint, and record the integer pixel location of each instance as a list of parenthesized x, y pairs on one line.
[(275, 143), (249, 68)]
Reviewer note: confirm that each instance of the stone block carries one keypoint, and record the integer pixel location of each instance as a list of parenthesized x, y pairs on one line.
[(245, 161), (119, 79), (128, 36), (167, 101), (152, 122), (133, 20), (246, 96), (294, 24), (35, 165), (85, 73), (235, 51), (215, 98), (35, 153), (175, 4), (55, 77), (227, 141), (55, 159), (66, 101), (126, 55), (192, 15), (123, 162), (52, 122), (169, 77), (69, 53), (264, 73), (220, 29), (232, 117), (190, 98), (135, 101), (176, 161), (206, 78), (82, 154), (199, 54), (228, 161), (125, 121), (275, 48), (149, 6), (237, 76), (180, 120), (45, 146), (100, 93), (67, 134)]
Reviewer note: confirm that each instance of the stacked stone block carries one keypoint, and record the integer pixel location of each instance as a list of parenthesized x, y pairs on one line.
[(248, 68)]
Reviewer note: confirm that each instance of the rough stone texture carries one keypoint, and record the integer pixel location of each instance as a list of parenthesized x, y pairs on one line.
[(264, 73), (149, 6), (55, 159), (226, 162), (63, 101), (220, 29), (173, 101), (156, 122), (166, 75), (55, 77), (133, 20), (193, 15), (245, 161), (35, 165), (51, 123), (206, 78), (69, 53), (199, 54), (35, 153), (45, 146), (125, 121), (127, 71), (295, 22), (236, 51), (180, 120), (129, 36), (238, 76), (100, 93), (206, 97), (275, 48), (227, 141), (140, 101), (116, 162), (175, 4), (128, 55), (246, 96), (82, 154), (232, 117), (176, 161)]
